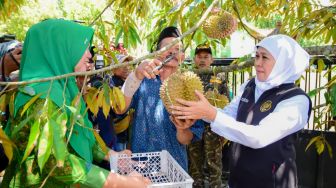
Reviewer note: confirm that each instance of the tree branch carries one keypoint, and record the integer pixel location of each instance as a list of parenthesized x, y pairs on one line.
[(101, 13), (136, 61)]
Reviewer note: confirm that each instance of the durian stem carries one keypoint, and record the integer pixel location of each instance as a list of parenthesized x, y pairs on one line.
[(229, 68), (241, 21)]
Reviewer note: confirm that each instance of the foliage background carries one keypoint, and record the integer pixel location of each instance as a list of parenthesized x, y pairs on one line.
[(137, 23)]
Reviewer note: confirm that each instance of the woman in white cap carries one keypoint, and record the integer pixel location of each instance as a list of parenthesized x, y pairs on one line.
[(263, 117)]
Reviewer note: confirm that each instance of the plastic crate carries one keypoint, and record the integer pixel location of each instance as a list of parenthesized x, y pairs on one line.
[(160, 167)]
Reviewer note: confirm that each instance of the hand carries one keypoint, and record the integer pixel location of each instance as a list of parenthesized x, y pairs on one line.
[(182, 124), (201, 109), (126, 151), (183, 133), (116, 180), (9, 62), (17, 53), (145, 69), (112, 152)]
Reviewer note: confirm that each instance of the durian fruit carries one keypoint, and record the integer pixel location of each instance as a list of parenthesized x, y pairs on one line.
[(180, 85), (220, 24), (216, 99)]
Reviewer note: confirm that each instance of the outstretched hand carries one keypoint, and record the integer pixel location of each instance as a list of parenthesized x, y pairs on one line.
[(201, 109), (116, 180), (147, 69)]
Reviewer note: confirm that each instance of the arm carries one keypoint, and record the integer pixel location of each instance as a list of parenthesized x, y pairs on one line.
[(133, 81), (188, 130), (288, 117), (184, 136), (98, 177), (11, 62), (183, 133), (202, 109)]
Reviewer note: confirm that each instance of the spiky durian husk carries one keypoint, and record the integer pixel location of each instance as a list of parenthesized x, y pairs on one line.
[(220, 25), (180, 85), (216, 99)]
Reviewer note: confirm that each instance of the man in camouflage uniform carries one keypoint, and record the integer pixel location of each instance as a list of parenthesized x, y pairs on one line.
[(210, 147)]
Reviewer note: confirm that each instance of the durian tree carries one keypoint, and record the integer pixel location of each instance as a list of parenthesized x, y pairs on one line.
[(137, 24)]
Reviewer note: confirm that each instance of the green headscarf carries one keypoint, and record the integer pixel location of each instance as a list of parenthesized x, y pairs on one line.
[(54, 47)]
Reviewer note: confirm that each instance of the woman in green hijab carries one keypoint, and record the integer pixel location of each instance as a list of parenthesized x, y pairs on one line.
[(49, 115)]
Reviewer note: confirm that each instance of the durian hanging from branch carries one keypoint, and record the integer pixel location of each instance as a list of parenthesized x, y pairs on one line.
[(220, 24)]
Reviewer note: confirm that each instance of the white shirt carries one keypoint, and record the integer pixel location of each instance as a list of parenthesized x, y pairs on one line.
[(289, 116)]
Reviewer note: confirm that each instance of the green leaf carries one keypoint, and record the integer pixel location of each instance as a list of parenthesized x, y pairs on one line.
[(333, 100), (314, 139), (118, 36), (329, 148), (106, 102), (207, 2), (11, 104), (132, 40), (300, 11), (50, 107), (134, 33), (312, 93), (3, 104), (27, 90), (327, 98), (75, 116), (72, 109), (62, 121), (30, 102), (59, 142), (319, 146), (100, 142), (328, 37), (21, 125), (45, 145), (257, 2), (7, 144), (32, 140), (320, 65), (118, 99), (198, 38)]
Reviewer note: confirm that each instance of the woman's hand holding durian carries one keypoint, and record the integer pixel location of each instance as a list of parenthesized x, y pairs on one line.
[(201, 109)]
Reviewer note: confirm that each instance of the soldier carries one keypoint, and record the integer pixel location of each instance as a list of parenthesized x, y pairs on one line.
[(210, 147)]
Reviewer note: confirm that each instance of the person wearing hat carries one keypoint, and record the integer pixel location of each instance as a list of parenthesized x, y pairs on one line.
[(10, 56), (210, 147), (261, 121), (153, 129)]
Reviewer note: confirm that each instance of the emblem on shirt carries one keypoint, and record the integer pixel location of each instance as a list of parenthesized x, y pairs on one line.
[(266, 106), (244, 100)]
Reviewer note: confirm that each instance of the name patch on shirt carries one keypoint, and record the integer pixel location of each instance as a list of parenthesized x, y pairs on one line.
[(266, 106), (244, 100)]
